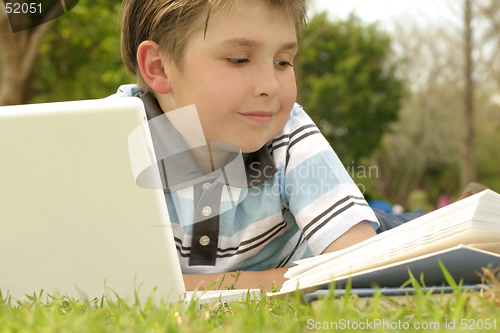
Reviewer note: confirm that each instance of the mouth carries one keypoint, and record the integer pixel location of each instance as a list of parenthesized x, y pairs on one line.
[(260, 117)]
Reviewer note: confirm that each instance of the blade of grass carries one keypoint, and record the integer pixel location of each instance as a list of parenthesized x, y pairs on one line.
[(347, 294), (449, 279)]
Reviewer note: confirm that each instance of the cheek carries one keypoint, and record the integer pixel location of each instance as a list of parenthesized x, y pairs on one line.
[(223, 86), (289, 89), (215, 99), (284, 115)]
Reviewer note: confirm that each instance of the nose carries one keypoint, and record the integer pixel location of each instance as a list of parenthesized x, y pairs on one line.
[(266, 81)]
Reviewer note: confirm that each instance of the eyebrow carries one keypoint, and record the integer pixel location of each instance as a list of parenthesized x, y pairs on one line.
[(251, 43)]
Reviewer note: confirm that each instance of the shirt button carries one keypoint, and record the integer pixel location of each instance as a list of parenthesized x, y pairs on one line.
[(207, 210), (205, 186), (204, 241)]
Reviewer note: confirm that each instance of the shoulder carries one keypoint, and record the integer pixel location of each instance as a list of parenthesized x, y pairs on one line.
[(125, 90), (299, 118), (299, 123), (299, 137)]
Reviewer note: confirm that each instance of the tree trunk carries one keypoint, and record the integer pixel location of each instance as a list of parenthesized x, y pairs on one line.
[(468, 169), (18, 54)]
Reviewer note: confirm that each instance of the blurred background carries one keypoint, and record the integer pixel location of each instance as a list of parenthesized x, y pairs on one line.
[(406, 92)]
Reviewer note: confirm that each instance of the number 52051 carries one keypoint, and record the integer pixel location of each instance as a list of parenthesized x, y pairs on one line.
[(17, 8), (479, 324)]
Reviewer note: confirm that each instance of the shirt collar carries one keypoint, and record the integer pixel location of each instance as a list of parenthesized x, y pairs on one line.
[(178, 166)]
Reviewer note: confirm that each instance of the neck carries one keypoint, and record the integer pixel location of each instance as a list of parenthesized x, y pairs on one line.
[(208, 157)]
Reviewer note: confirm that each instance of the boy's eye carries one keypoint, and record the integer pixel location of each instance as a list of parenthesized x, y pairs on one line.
[(237, 61), (240, 61), (283, 64)]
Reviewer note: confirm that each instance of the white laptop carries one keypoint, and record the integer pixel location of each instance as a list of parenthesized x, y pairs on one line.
[(72, 219)]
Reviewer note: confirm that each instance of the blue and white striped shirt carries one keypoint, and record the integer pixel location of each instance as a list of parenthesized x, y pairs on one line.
[(298, 199)]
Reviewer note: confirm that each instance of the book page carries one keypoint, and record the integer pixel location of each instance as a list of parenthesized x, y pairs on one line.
[(471, 220), (490, 247)]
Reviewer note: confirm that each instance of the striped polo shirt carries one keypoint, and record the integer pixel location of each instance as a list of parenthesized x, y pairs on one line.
[(293, 199)]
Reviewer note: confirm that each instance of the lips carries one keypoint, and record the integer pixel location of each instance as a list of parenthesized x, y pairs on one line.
[(260, 117)]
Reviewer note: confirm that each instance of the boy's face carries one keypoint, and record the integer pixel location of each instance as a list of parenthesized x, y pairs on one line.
[(239, 76)]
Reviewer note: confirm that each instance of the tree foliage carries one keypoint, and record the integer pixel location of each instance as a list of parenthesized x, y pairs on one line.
[(348, 84), (423, 148), (79, 57)]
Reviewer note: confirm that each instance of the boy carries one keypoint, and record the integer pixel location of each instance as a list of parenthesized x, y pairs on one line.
[(232, 60)]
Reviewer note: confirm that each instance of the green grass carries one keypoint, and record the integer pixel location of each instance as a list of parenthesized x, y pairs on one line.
[(266, 315), (42, 313)]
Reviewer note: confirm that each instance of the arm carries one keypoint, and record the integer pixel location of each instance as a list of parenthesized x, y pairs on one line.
[(358, 233), (247, 279), (258, 279)]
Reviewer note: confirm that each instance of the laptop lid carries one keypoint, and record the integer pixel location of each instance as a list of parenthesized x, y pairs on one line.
[(72, 218)]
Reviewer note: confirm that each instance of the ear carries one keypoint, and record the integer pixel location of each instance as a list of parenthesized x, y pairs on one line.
[(152, 66)]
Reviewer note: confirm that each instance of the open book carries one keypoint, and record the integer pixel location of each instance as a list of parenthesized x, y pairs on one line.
[(464, 236)]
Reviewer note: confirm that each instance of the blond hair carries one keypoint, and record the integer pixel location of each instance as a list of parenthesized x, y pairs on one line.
[(171, 22)]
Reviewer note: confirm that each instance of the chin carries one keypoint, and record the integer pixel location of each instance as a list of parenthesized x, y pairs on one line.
[(251, 148)]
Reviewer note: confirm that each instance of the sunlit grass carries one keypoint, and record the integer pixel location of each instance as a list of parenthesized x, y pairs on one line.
[(431, 312)]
